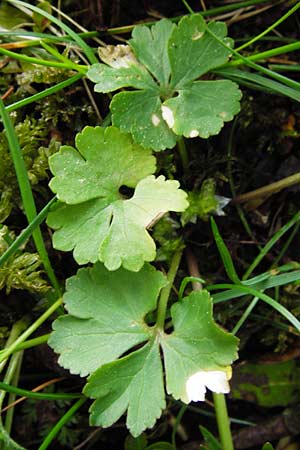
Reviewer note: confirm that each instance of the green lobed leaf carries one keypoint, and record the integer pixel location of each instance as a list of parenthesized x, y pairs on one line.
[(96, 220), (106, 321), (139, 112), (133, 383), (197, 343), (92, 170), (110, 79), (106, 312), (193, 52), (196, 110), (149, 45), (175, 56)]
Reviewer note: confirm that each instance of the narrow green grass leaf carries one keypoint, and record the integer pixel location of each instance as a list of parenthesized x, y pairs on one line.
[(224, 253), (271, 282), (42, 62), (26, 194), (266, 298), (45, 93), (82, 44), (260, 82), (27, 232), (265, 250)]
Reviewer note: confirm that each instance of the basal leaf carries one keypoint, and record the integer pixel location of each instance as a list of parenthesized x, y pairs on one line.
[(92, 170), (96, 220), (133, 383), (106, 316), (196, 345), (106, 321), (196, 112), (167, 60)]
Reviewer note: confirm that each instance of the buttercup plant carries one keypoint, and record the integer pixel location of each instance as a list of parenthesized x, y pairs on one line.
[(123, 330)]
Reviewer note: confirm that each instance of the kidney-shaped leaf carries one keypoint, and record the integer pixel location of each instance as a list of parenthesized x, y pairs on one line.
[(173, 103), (96, 220), (106, 322), (133, 383), (106, 316)]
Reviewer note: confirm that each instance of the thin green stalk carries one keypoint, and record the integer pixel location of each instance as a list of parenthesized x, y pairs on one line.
[(271, 243), (43, 62), (183, 153), (177, 423), (271, 27), (25, 234), (11, 369), (82, 44), (37, 395), (284, 80), (267, 54), (7, 352), (58, 426), (245, 315), (32, 342), (286, 245), (12, 396), (185, 282), (187, 6), (223, 421), (165, 293), (58, 56), (26, 194), (45, 93), (15, 332)]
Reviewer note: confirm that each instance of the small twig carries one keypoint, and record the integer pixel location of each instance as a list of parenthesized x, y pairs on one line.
[(268, 190), (7, 93)]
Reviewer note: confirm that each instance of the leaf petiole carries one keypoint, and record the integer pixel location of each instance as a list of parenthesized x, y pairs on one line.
[(165, 293)]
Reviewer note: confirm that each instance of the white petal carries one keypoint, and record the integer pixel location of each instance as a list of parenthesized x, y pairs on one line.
[(168, 116), (195, 387), (217, 381)]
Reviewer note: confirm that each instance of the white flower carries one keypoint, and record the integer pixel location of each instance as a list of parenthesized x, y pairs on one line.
[(215, 380)]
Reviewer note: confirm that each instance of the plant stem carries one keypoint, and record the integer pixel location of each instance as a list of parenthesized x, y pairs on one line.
[(45, 93), (58, 426), (270, 28), (37, 395), (16, 330), (165, 293), (12, 396), (268, 190), (183, 153), (7, 352), (223, 421)]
